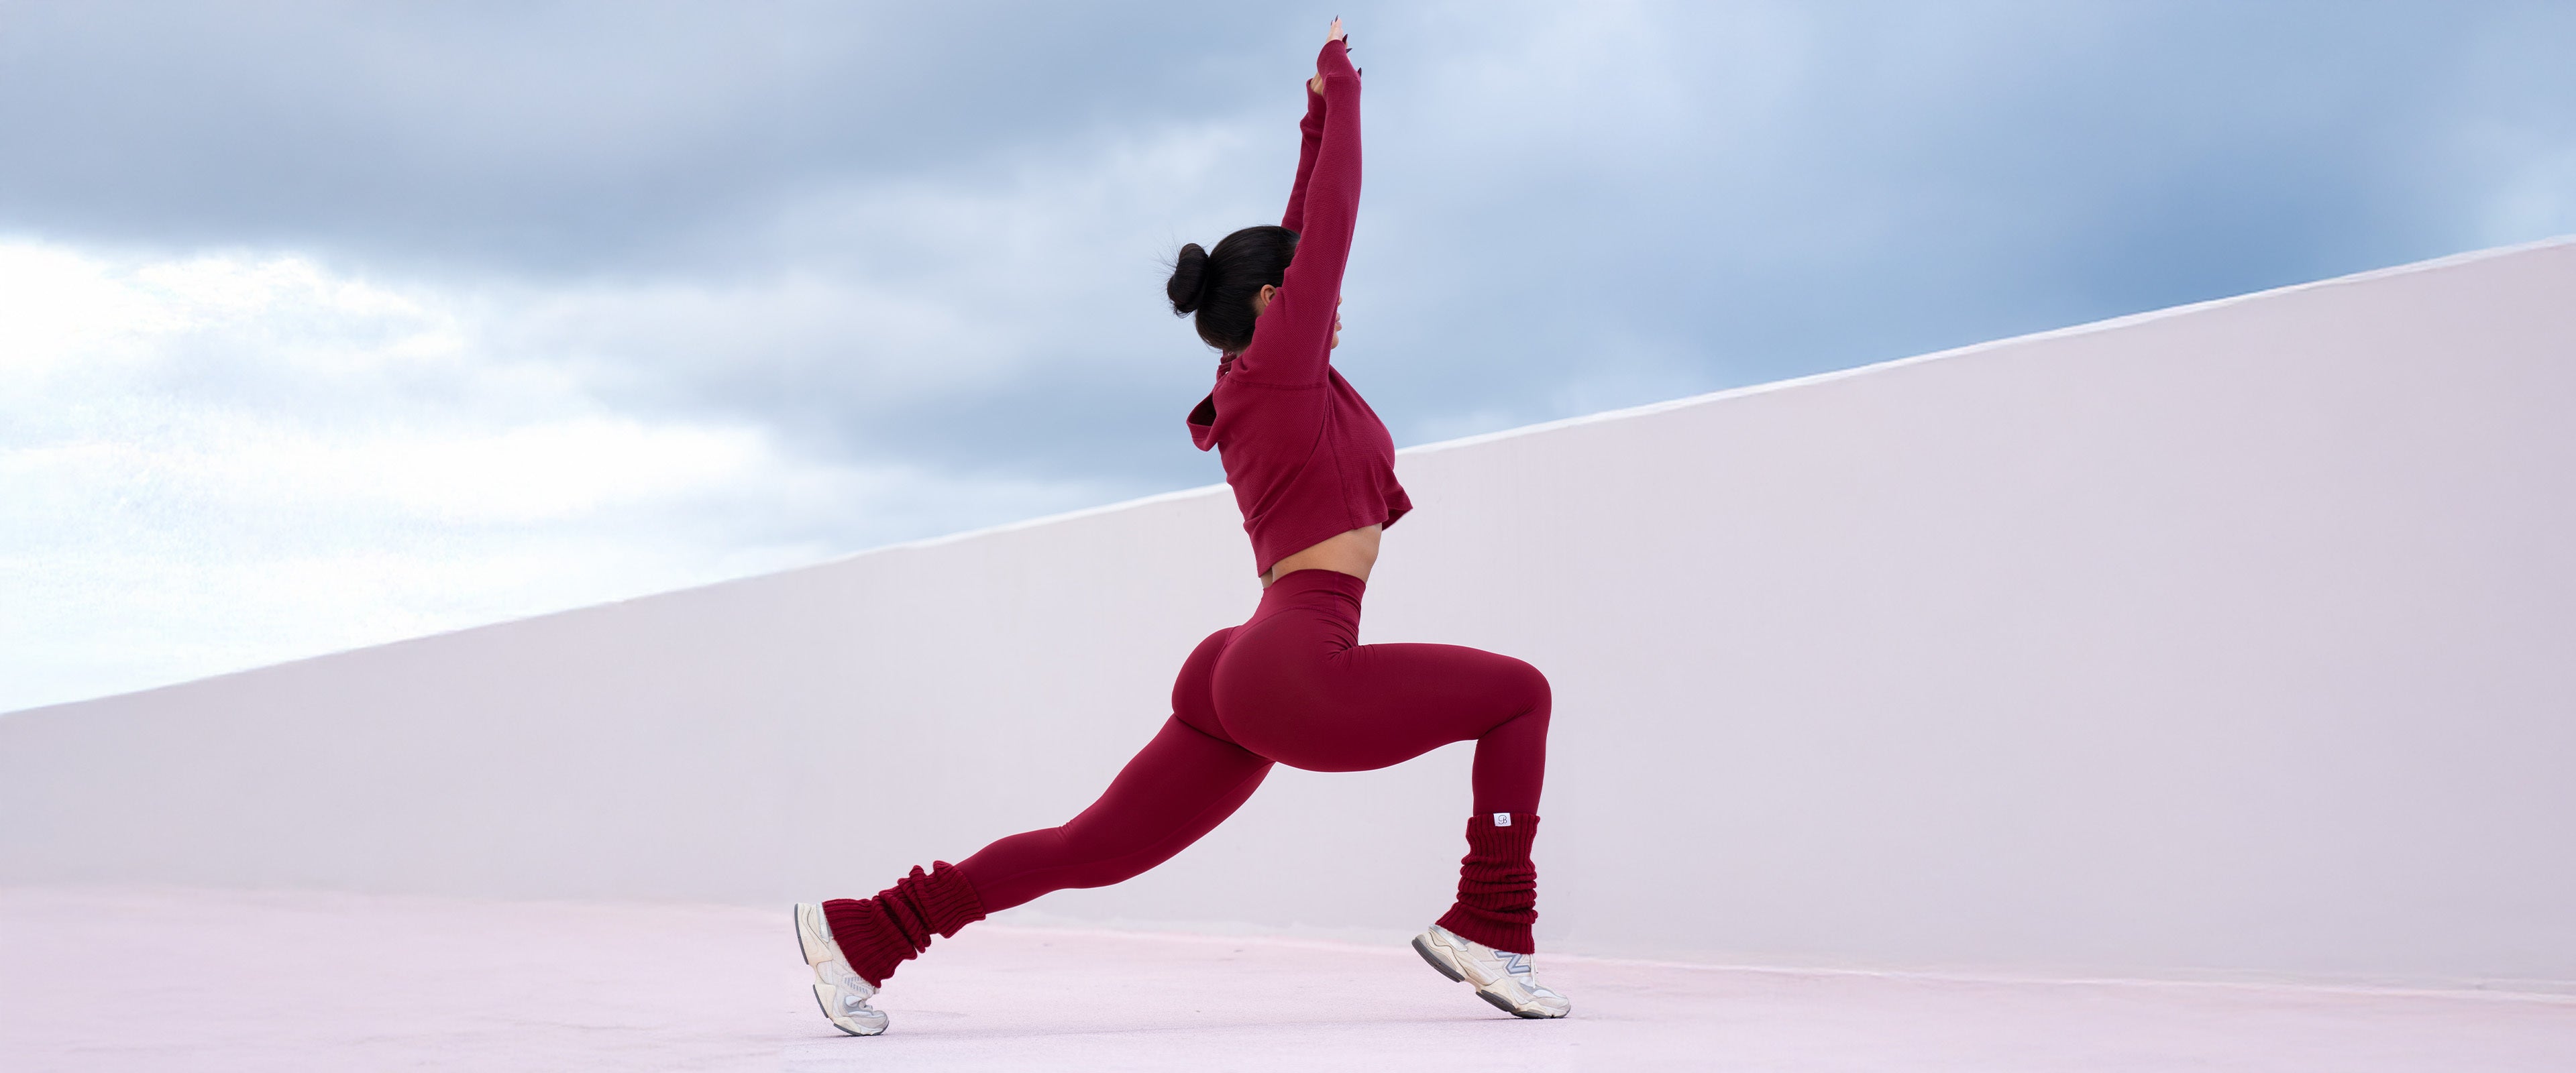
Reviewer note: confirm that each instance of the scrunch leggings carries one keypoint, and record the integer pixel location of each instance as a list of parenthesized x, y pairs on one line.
[(1292, 685)]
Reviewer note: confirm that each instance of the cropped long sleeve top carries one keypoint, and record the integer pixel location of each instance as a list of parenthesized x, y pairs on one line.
[(1305, 455)]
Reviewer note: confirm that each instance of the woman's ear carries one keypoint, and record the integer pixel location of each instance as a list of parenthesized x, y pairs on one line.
[(1261, 298)]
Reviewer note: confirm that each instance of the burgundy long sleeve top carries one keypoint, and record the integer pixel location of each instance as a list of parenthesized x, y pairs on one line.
[(1305, 455)]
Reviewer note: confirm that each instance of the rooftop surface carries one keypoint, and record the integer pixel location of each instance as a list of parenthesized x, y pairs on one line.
[(176, 979)]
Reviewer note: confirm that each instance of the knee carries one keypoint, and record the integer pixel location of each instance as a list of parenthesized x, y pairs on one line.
[(1531, 687)]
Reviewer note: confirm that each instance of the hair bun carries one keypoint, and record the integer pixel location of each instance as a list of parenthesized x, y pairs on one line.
[(1220, 285), (1188, 286)]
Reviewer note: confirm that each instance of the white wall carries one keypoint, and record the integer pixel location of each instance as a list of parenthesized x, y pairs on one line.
[(2236, 637)]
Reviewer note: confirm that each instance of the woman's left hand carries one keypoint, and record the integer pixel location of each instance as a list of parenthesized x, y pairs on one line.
[(1332, 33)]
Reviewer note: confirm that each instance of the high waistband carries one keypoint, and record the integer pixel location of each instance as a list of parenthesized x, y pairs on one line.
[(1329, 591), (1313, 579)]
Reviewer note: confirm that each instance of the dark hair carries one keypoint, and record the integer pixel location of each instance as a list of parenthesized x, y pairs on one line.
[(1218, 285)]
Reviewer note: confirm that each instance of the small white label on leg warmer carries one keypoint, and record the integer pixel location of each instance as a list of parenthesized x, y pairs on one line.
[(1502, 819)]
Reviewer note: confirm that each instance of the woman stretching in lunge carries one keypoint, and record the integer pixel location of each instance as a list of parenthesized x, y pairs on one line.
[(1314, 471)]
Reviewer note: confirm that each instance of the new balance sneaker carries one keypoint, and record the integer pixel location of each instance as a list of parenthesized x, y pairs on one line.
[(1501, 977), (843, 996)]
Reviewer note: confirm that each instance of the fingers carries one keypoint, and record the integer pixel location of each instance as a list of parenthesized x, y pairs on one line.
[(1331, 34)]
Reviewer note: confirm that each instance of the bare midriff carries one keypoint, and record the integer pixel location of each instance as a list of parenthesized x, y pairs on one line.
[(1350, 553)]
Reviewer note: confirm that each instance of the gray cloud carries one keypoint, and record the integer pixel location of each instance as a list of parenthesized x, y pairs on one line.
[(928, 235), (327, 325), (550, 136)]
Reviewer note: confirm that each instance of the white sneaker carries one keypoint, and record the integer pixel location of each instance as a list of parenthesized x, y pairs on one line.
[(1501, 977), (843, 996)]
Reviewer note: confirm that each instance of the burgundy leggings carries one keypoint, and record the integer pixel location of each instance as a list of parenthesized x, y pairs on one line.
[(1295, 686)]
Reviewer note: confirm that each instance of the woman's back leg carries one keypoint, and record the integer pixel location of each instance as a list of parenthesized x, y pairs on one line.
[(1177, 789), (1181, 786), (1184, 783)]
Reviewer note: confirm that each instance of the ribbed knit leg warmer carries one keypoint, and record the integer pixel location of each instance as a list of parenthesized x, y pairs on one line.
[(1497, 884), (879, 933)]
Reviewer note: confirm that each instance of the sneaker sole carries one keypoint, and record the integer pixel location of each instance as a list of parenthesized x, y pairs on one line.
[(1422, 946), (805, 940), (1505, 1005), (823, 1001)]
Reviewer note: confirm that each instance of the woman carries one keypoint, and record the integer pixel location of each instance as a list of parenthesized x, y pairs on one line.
[(1314, 471)]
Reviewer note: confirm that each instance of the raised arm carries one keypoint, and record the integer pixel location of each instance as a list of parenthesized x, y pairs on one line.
[(1310, 137), (1290, 344)]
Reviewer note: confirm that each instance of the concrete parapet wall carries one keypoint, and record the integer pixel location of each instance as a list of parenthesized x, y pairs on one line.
[(2234, 638)]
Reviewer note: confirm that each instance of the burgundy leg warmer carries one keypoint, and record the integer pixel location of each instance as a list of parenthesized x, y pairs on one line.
[(877, 934), (1497, 884)]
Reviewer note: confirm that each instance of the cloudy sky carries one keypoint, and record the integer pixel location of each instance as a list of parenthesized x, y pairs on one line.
[(324, 325)]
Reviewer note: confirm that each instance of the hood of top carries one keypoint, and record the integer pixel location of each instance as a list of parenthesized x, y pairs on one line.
[(1203, 422)]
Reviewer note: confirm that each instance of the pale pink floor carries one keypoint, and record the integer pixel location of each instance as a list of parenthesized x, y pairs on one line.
[(149, 979)]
